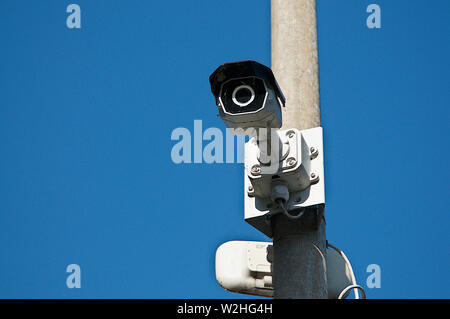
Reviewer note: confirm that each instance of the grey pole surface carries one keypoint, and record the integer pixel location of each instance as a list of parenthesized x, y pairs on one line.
[(299, 252)]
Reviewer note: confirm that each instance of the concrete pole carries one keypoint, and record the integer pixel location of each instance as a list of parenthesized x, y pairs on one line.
[(299, 253)]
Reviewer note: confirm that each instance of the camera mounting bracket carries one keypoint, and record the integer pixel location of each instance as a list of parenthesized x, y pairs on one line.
[(301, 170)]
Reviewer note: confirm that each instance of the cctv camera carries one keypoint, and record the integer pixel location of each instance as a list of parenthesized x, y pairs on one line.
[(247, 96)]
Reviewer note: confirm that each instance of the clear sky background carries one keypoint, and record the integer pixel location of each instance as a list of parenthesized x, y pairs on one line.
[(86, 116)]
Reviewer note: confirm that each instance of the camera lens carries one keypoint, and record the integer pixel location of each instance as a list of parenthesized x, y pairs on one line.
[(243, 95)]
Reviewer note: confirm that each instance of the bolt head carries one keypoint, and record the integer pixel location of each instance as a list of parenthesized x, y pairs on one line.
[(291, 161), (256, 169)]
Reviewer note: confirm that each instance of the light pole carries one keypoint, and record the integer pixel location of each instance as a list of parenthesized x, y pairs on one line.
[(299, 252)]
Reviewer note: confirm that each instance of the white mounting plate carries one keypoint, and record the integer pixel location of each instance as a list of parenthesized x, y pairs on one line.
[(256, 208)]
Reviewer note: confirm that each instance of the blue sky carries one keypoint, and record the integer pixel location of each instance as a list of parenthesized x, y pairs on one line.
[(86, 116)]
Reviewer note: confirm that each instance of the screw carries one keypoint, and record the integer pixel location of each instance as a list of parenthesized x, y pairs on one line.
[(250, 188), (291, 161), (313, 152), (255, 169), (314, 178)]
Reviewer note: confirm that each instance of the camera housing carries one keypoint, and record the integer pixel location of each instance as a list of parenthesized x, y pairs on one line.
[(247, 96), (247, 267)]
